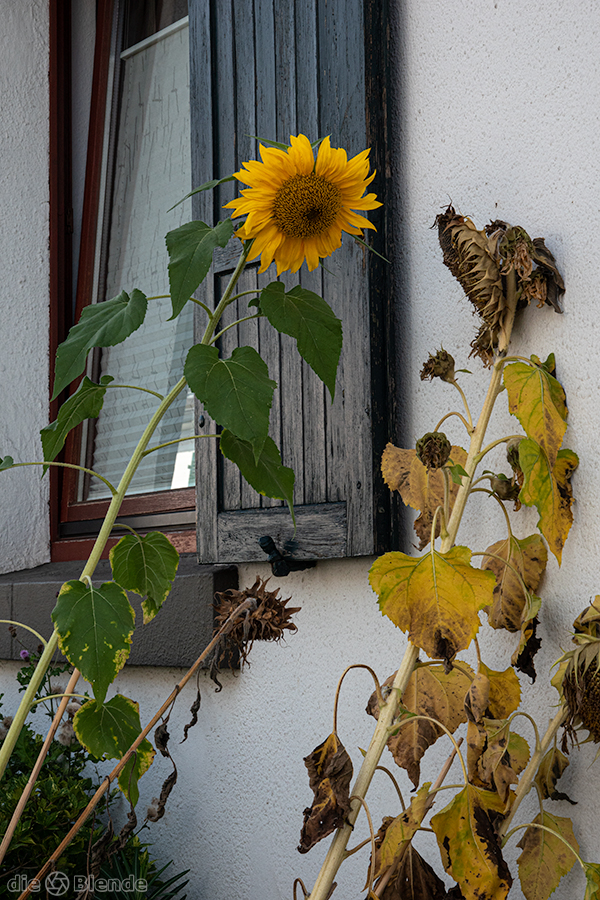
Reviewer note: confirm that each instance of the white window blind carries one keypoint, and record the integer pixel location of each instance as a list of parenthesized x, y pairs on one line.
[(152, 172)]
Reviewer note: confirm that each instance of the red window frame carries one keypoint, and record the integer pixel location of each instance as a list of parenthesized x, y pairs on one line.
[(74, 522)]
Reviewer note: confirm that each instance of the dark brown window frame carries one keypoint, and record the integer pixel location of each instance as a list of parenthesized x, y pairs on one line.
[(73, 523)]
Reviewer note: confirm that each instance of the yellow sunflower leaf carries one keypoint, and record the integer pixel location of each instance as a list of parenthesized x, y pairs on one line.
[(592, 875), (529, 557), (404, 827), (538, 401), (430, 692), (436, 598), (549, 490), (545, 858), (504, 692), (469, 847), (419, 488)]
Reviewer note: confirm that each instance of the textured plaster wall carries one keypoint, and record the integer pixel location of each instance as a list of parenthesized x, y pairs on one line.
[(24, 281), (495, 108)]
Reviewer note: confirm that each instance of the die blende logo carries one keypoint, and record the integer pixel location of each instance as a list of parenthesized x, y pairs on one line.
[(57, 884)]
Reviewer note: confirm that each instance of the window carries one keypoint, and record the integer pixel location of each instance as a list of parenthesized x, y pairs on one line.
[(257, 67)]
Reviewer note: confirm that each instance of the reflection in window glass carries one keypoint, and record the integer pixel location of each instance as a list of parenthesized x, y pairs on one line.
[(152, 172)]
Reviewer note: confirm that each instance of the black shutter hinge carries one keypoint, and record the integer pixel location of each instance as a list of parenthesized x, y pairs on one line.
[(282, 565)]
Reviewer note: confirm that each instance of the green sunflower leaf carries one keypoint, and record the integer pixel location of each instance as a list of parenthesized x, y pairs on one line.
[(236, 392), (310, 320), (278, 144), (100, 325), (109, 731), (95, 627), (266, 475), (85, 403), (146, 565), (6, 463), (191, 250)]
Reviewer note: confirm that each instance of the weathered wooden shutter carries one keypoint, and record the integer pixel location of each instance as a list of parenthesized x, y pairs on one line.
[(273, 68)]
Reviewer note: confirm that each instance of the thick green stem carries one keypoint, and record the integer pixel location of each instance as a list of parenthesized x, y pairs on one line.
[(108, 524)]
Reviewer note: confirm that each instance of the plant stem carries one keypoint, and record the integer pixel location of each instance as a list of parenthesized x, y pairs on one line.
[(387, 714), (530, 772), (480, 429), (335, 855), (108, 780), (38, 765), (100, 543)]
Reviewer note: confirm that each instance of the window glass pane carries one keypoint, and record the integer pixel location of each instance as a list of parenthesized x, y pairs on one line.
[(152, 172)]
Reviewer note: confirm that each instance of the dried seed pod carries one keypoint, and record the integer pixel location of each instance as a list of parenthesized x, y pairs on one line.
[(578, 677), (266, 619), (434, 449), (504, 488), (439, 366)]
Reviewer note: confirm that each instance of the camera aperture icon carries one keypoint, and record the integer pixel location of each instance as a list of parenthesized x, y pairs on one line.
[(57, 884)]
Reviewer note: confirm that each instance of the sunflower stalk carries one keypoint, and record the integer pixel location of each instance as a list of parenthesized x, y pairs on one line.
[(388, 713)]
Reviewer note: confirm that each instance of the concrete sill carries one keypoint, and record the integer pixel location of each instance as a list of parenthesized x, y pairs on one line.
[(176, 637)]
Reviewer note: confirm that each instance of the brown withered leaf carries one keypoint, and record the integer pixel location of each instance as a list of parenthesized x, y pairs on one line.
[(504, 693), (414, 880), (555, 286), (529, 557), (496, 767), (430, 692), (478, 697), (529, 644), (551, 768), (403, 828), (476, 744), (419, 488), (330, 772)]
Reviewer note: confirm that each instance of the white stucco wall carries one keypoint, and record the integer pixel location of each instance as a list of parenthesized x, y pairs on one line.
[(24, 138), (495, 109)]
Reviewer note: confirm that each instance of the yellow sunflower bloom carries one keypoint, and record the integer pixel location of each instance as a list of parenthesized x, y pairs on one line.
[(297, 209)]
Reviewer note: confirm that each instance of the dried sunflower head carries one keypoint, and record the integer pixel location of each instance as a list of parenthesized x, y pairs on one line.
[(434, 449), (265, 617), (578, 677), (480, 260), (439, 366)]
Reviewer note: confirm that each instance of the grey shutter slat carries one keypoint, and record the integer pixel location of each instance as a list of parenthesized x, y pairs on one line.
[(274, 68)]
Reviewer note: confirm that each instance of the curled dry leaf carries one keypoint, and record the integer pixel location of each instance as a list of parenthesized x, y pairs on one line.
[(420, 489), (431, 691), (504, 692), (551, 768), (503, 759), (330, 772), (529, 557), (414, 880), (402, 829), (478, 697), (193, 721)]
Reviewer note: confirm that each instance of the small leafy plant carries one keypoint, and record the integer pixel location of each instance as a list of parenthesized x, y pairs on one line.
[(437, 598)]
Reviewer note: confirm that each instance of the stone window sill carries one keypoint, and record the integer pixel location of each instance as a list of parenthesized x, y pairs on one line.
[(176, 637)]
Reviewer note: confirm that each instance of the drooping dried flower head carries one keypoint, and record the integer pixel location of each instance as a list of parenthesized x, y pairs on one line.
[(265, 618), (439, 366), (578, 676), (480, 260)]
